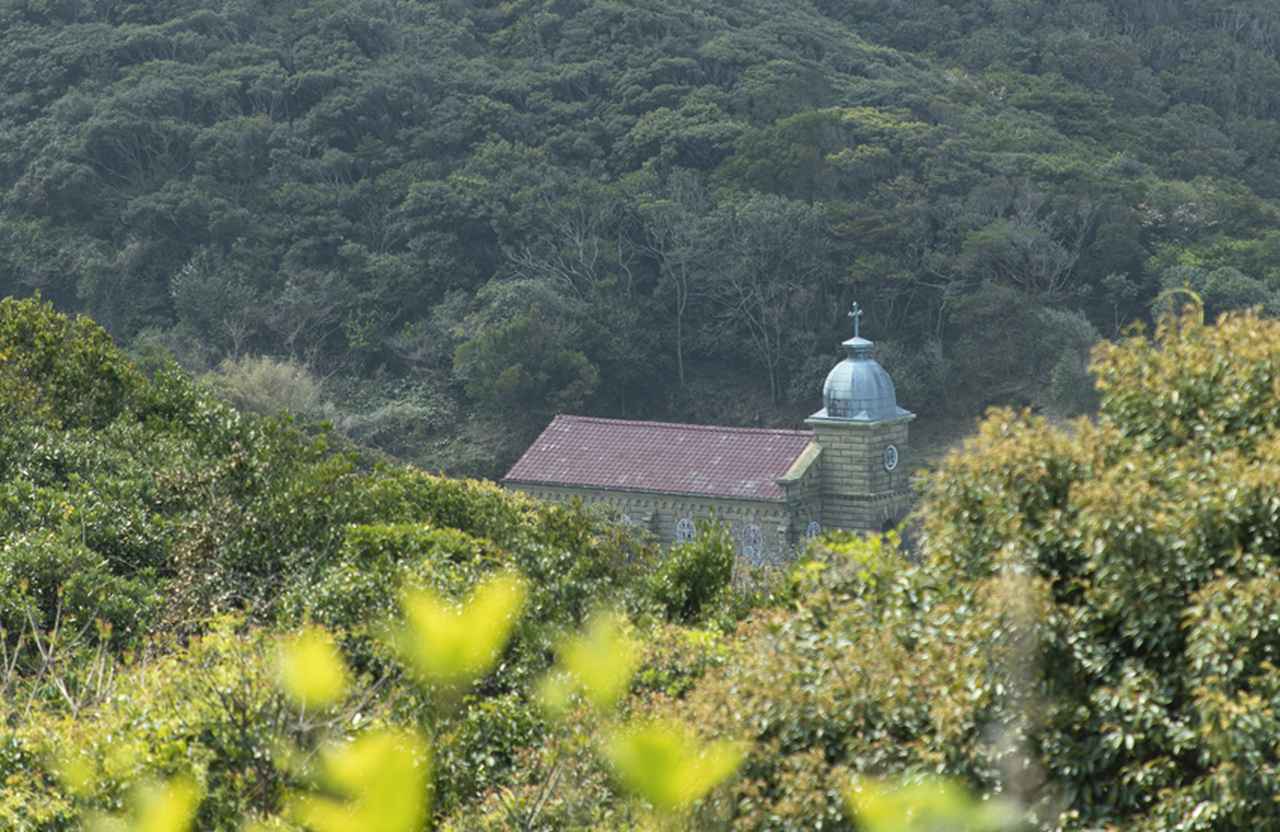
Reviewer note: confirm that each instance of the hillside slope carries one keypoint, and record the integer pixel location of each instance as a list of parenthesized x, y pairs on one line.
[(469, 216)]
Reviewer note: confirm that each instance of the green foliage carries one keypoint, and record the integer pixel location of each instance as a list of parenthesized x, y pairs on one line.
[(62, 369), (177, 508), (865, 657), (382, 780), (209, 712), (311, 670), (168, 808), (1042, 359), (559, 208), (695, 576), (455, 647), (351, 593), (598, 665), (525, 367), (267, 387), (620, 207), (48, 581), (660, 761), (1132, 525), (1086, 630)]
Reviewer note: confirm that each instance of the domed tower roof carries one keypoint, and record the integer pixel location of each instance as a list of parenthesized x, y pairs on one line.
[(858, 389)]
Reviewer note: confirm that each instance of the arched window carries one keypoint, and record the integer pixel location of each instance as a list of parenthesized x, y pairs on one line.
[(627, 521), (753, 543), (813, 530), (684, 530)]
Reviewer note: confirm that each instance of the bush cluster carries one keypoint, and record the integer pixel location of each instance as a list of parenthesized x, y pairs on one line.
[(1089, 629), (133, 509)]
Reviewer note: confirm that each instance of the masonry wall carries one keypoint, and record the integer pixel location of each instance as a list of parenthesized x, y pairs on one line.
[(804, 504), (858, 494), (660, 513)]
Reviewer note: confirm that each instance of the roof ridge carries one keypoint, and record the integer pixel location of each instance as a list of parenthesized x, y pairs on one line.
[(683, 425)]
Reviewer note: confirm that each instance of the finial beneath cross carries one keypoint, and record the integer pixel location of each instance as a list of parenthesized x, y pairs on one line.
[(855, 312)]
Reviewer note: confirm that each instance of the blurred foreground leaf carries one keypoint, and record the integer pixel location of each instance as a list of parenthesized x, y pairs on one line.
[(935, 805), (158, 808), (446, 645), (384, 776), (665, 764), (311, 669), (599, 664)]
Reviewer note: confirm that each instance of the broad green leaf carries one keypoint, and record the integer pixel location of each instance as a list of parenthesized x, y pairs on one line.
[(77, 773), (166, 808), (665, 764), (311, 670), (935, 805), (598, 663), (385, 779), (446, 645)]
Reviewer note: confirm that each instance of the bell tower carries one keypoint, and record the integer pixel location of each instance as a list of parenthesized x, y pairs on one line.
[(864, 439)]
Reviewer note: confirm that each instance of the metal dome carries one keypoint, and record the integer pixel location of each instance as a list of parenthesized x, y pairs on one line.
[(858, 389)]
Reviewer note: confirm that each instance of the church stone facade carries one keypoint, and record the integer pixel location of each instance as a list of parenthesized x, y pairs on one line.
[(773, 488)]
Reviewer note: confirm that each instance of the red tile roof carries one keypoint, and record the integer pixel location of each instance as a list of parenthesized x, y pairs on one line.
[(704, 460)]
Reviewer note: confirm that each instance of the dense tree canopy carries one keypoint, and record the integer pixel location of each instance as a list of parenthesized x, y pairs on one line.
[(681, 195), (136, 513)]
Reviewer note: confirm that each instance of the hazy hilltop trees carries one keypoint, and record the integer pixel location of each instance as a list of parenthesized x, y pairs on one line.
[(691, 192)]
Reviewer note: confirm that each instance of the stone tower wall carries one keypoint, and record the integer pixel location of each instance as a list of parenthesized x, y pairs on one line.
[(858, 494)]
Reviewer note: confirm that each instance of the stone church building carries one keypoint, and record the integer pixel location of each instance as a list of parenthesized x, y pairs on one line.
[(774, 488)]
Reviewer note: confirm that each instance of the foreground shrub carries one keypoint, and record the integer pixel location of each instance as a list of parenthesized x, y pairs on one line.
[(1092, 628), (48, 581), (66, 370), (695, 575), (133, 510), (210, 712)]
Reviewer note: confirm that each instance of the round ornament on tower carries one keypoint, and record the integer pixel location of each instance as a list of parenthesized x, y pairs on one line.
[(890, 457)]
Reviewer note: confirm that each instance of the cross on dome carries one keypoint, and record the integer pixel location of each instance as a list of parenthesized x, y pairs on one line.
[(855, 312), (858, 389)]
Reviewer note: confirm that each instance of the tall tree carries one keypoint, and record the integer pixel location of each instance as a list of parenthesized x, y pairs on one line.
[(769, 256), (674, 235)]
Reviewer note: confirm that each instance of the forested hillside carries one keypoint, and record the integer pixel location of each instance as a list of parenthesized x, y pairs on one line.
[(455, 219)]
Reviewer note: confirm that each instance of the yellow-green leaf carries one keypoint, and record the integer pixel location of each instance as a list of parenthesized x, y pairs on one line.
[(599, 664), (167, 808), (934, 805), (78, 775), (666, 765), (384, 777), (445, 645), (311, 670)]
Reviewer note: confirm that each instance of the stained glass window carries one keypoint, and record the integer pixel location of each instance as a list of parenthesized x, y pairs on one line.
[(753, 543)]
